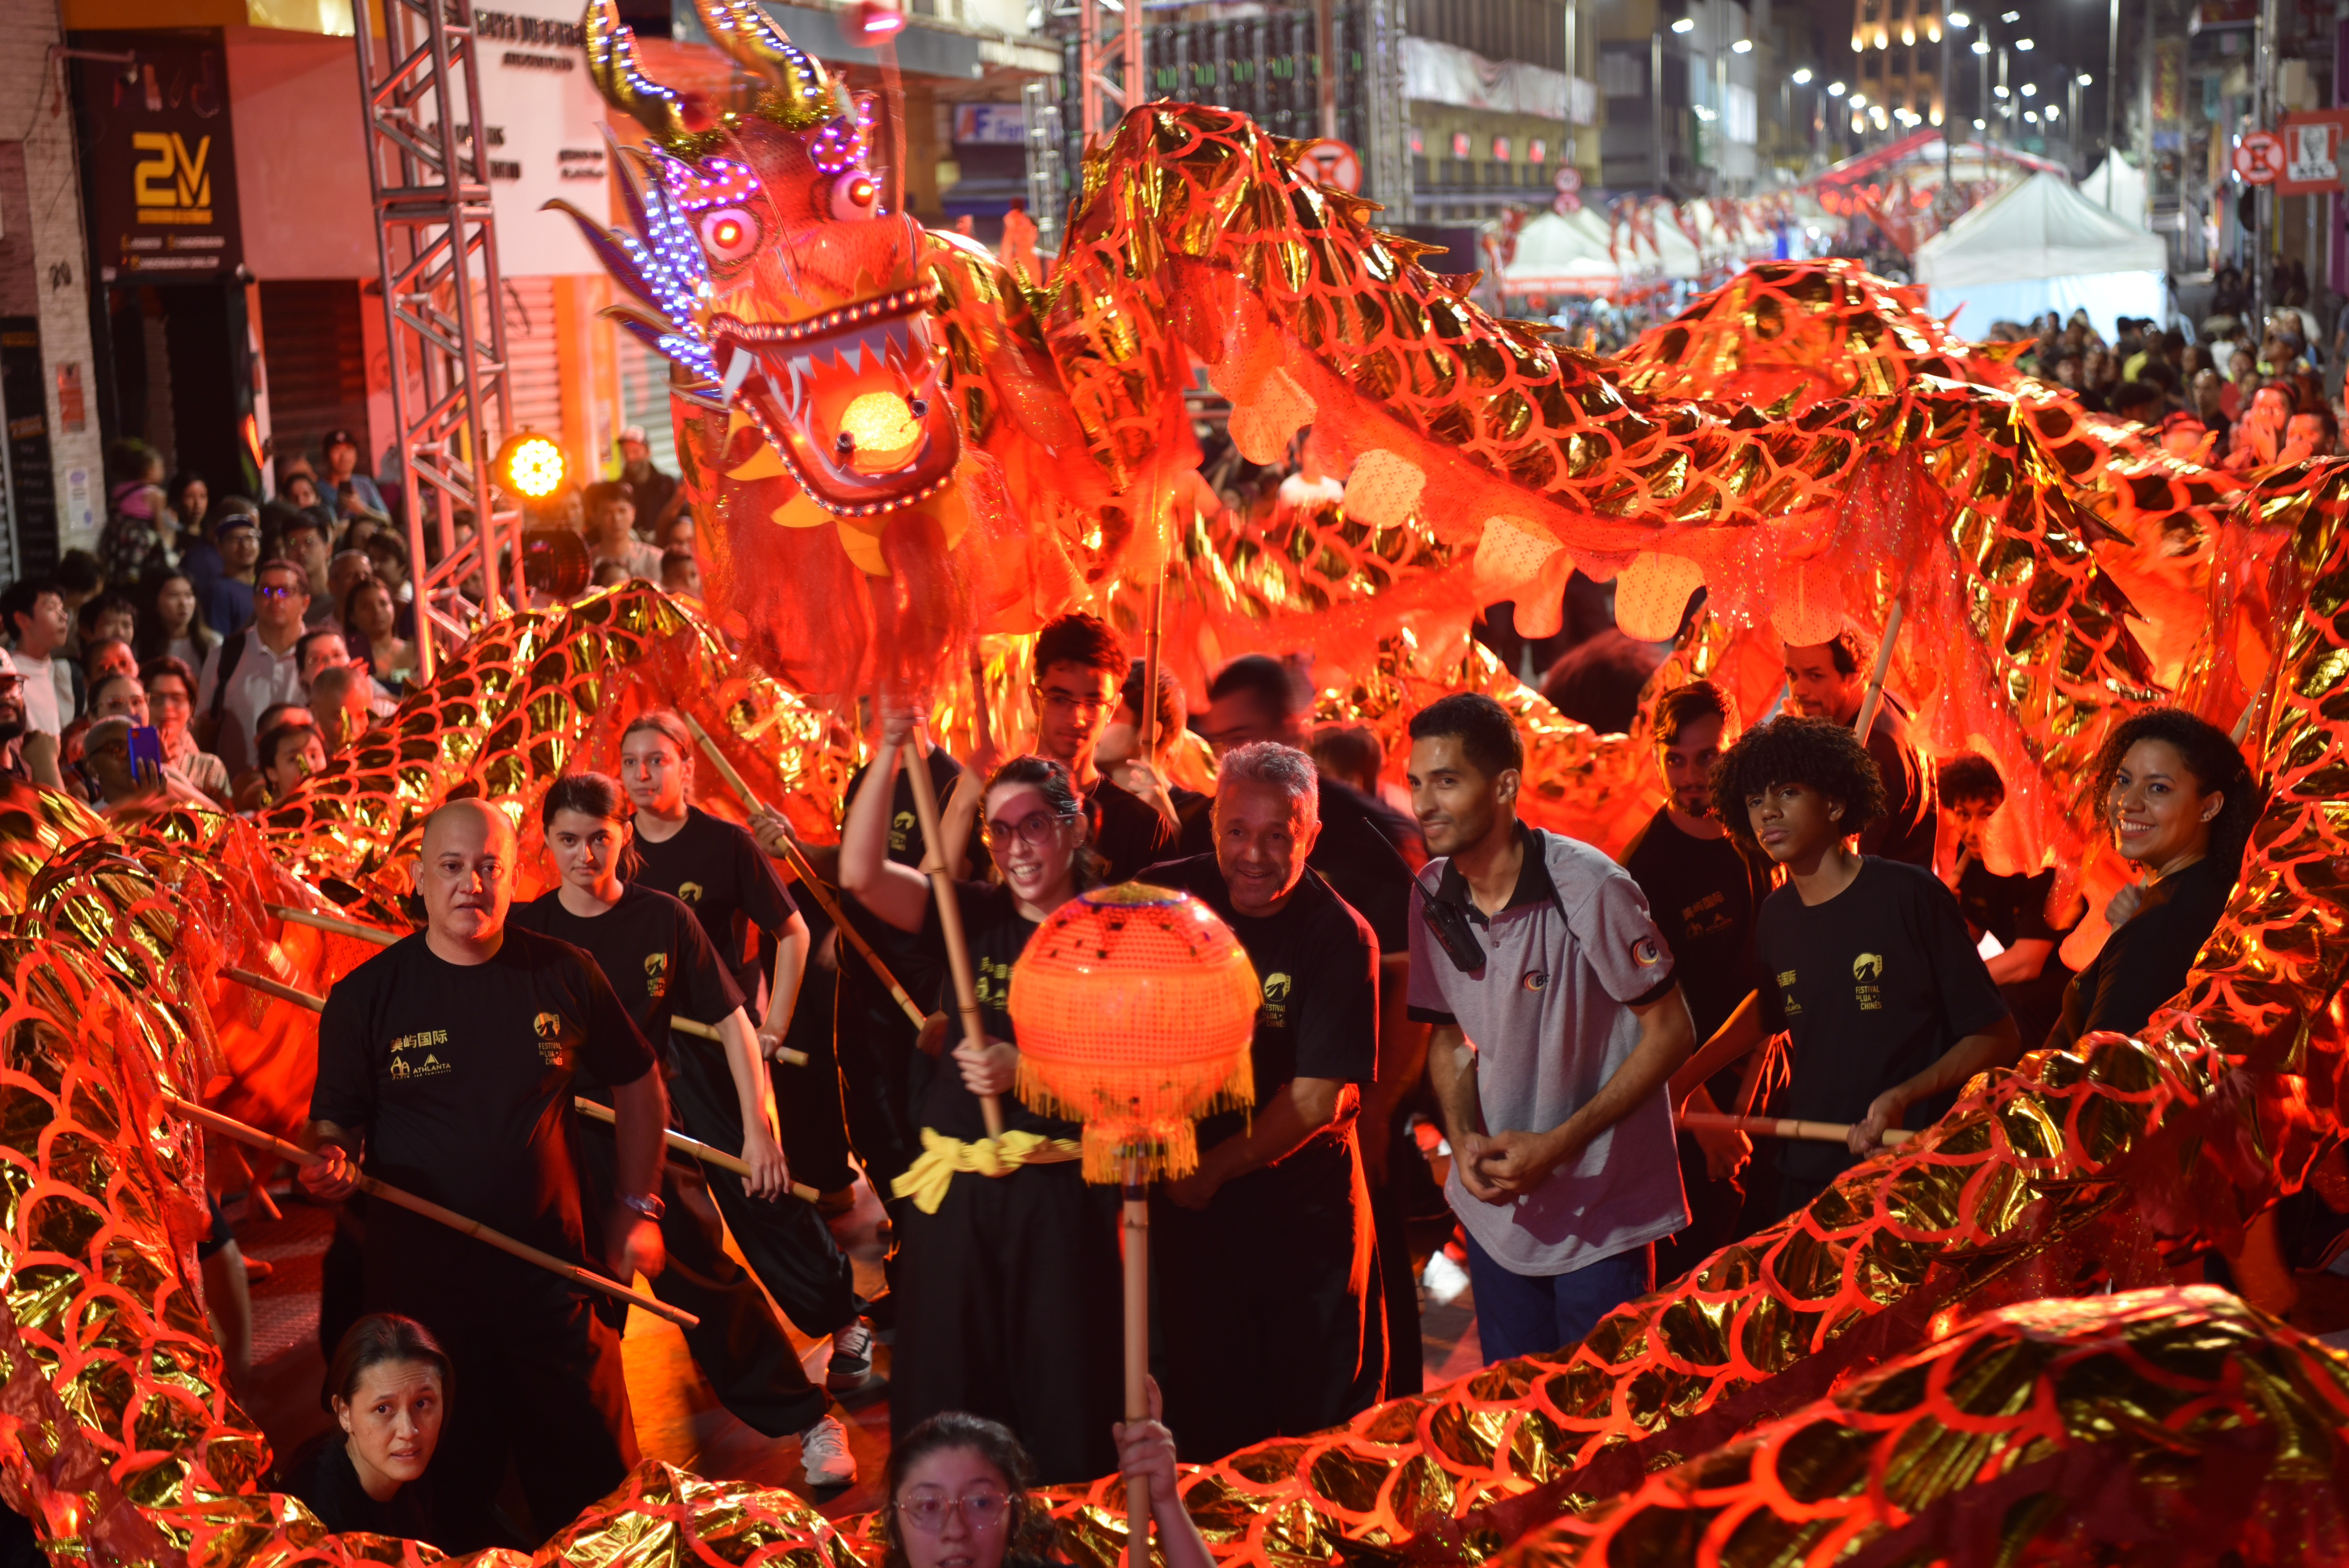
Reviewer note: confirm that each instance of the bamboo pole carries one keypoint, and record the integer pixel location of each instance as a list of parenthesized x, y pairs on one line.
[(1775, 1127), (229, 1127), (706, 1153), (374, 934), (705, 1032), (806, 873), (268, 987), (934, 863), (1868, 704), (1136, 1228)]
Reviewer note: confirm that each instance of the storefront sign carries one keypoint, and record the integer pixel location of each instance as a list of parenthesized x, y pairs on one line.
[(2312, 151), (161, 165), (541, 122)]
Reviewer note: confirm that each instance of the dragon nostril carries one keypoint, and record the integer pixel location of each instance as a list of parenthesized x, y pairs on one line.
[(845, 442), (920, 406)]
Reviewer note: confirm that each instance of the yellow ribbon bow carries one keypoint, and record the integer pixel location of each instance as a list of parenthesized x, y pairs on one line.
[(927, 1179)]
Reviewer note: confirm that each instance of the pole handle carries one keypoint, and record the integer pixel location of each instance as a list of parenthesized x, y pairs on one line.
[(701, 1031), (268, 987), (375, 934), (934, 863), (1136, 1226), (229, 1127), (1868, 704), (1781, 1127), (694, 1146)]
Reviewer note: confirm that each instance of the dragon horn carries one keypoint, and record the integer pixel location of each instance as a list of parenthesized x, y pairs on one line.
[(746, 32), (611, 61)]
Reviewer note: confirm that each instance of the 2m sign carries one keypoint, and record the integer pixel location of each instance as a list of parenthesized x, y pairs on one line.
[(172, 183)]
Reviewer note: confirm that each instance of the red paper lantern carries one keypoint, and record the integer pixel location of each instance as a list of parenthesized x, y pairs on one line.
[(1135, 1007)]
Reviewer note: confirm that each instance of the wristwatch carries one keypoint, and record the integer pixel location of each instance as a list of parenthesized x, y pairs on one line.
[(644, 1203)]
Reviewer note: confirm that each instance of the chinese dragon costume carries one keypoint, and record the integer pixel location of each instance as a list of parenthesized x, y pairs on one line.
[(1976, 1348)]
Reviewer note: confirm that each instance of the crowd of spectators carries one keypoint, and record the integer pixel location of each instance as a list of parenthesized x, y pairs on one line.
[(257, 640)]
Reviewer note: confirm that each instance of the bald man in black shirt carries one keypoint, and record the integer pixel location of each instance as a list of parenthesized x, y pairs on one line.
[(445, 1064)]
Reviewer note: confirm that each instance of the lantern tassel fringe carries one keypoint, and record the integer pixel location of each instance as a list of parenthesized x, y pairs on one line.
[(1158, 1130)]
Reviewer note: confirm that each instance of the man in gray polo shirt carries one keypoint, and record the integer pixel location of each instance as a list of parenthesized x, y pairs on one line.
[(1557, 1027)]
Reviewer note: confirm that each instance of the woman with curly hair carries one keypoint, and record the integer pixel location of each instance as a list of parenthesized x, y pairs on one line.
[(1865, 963), (2180, 803), (960, 1496)]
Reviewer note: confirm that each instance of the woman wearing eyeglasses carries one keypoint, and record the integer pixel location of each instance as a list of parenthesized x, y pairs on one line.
[(1009, 1266), (959, 1497)]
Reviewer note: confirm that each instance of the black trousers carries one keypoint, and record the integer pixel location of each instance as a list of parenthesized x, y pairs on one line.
[(812, 1124), (1398, 1291), (1009, 1309), (739, 1346), (1714, 1210), (1263, 1295), (538, 1380), (873, 1042), (786, 1241)]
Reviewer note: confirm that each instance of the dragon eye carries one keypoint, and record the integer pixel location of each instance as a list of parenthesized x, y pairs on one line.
[(855, 195), (729, 234)]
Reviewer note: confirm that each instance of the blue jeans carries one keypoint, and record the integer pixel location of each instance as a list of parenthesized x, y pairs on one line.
[(1532, 1315)]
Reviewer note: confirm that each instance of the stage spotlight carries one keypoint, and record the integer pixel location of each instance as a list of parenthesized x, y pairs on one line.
[(530, 466)]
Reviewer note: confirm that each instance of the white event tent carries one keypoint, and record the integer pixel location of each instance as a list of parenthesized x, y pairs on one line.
[(1560, 255), (2130, 202), (2038, 246)]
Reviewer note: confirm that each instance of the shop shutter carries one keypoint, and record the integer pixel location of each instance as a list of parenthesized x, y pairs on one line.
[(314, 359), (643, 399), (533, 361)]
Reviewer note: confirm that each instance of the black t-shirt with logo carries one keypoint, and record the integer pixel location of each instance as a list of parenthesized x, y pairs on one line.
[(1318, 962), (1128, 831), (462, 1077), (996, 933), (655, 953), (907, 958), (1357, 853), (1874, 985), (1704, 893), (716, 869)]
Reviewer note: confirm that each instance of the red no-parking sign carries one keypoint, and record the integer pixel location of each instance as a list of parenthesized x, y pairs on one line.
[(1570, 179), (2259, 157), (1335, 164)]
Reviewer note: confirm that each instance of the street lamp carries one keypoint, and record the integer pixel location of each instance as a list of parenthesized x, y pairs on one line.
[(1802, 76), (1685, 25), (1835, 89), (1743, 47)]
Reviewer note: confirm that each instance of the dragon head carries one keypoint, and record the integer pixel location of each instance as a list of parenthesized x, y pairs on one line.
[(807, 297)]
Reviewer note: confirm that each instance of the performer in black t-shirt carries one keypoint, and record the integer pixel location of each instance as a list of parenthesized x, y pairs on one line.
[(2180, 803), (1866, 962), (2030, 974), (1704, 887), (662, 966), (1264, 1276), (1829, 680), (448, 1061), (1361, 852), (718, 870), (1080, 663), (1009, 1278)]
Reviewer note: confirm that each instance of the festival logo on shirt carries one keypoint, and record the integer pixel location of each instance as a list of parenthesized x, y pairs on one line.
[(991, 985), (1275, 1011), (688, 893), (549, 1027), (901, 832), (1647, 952), (1536, 979), (1788, 1005), (1695, 922), (1865, 968), (413, 1055), (655, 976)]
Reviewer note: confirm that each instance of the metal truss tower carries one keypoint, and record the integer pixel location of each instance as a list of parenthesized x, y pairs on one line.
[(1109, 35), (428, 166)]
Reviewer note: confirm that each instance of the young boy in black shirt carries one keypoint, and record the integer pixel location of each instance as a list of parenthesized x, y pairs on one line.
[(1703, 889), (1265, 1252), (1866, 962), (1080, 664)]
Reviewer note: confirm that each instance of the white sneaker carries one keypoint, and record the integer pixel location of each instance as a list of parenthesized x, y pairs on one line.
[(823, 1454), (851, 1366)]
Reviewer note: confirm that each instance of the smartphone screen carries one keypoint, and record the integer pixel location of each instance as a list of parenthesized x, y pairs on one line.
[(146, 746)]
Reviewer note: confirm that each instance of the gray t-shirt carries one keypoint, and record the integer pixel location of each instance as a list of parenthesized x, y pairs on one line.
[(1549, 1016)]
